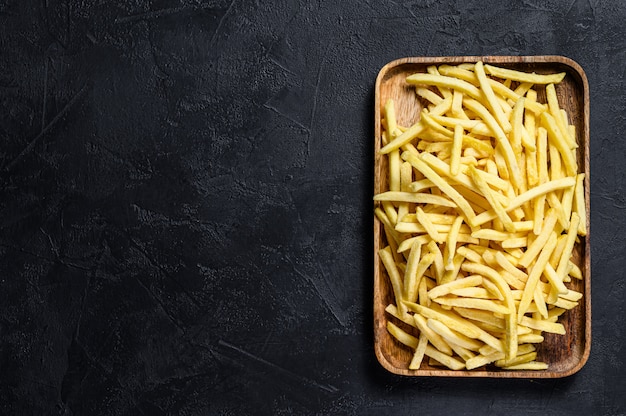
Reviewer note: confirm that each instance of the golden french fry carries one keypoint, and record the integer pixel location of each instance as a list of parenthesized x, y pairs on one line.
[(482, 209), (524, 76)]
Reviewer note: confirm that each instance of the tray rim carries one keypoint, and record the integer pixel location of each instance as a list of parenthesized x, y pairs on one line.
[(495, 59)]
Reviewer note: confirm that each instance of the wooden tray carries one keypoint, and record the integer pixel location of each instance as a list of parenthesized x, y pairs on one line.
[(565, 354)]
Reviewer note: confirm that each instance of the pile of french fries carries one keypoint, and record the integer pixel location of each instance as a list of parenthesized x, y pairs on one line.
[(483, 209)]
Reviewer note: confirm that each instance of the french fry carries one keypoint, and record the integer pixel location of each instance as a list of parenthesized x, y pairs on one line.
[(482, 209)]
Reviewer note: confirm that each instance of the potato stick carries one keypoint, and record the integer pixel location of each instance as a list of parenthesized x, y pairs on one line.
[(433, 337), (422, 292), (455, 71), (481, 360), (530, 338), (451, 241), (481, 316), (534, 275), (428, 95), (556, 171), (571, 295), (520, 359), (382, 217), (451, 363), (453, 337), (457, 105), (474, 292), (404, 245), (498, 87), (555, 111), (417, 198), (441, 221), (490, 97), (517, 123), (439, 132), (492, 289), (501, 138), (569, 246), (411, 226), (406, 178), (546, 230), (555, 203), (523, 88), (437, 263), (471, 255), (575, 272), (542, 325), (528, 141), (410, 275), (565, 304), (464, 353), (555, 137), (452, 321), (506, 108), (519, 76), (418, 356), (579, 204), (394, 170), (392, 310), (540, 302), (510, 318), (421, 166), (416, 275), (455, 159), (428, 226), (446, 82), (442, 168), (433, 147), (390, 117), (532, 365), (489, 195), (420, 185), (450, 275), (410, 134), (483, 304), (468, 124), (444, 289), (401, 335), (491, 179), (494, 235), (506, 264), (394, 277), (518, 242), (532, 175), (441, 108), (525, 197), (443, 90)]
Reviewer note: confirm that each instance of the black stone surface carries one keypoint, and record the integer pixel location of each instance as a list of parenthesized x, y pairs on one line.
[(185, 203)]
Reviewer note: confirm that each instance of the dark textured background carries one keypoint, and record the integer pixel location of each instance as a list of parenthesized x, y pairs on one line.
[(185, 203)]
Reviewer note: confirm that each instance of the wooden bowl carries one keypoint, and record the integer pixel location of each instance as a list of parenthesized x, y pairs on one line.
[(564, 354)]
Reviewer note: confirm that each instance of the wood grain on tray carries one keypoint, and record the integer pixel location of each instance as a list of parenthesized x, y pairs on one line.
[(564, 354)]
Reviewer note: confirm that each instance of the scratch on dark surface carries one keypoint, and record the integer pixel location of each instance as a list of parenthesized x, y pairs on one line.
[(154, 296), (45, 96), (318, 291), (316, 93), (150, 15), (56, 118), (53, 246), (327, 388), (536, 7), (165, 272), (280, 113), (221, 22)]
